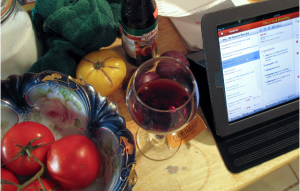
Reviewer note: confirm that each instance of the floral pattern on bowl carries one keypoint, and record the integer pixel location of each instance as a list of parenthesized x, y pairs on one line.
[(70, 106)]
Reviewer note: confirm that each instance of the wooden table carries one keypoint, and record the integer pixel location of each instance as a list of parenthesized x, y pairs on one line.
[(198, 164)]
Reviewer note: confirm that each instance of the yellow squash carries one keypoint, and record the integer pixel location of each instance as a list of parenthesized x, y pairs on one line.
[(105, 70)]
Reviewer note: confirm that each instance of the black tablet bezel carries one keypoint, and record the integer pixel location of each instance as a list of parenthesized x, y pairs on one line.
[(209, 25)]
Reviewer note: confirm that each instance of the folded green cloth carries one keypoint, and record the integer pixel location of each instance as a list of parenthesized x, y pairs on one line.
[(69, 29)]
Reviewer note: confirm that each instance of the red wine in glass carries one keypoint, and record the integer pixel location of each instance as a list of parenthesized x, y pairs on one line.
[(162, 106), (165, 97)]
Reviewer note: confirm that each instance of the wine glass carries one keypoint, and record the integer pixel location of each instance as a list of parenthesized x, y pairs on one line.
[(162, 97)]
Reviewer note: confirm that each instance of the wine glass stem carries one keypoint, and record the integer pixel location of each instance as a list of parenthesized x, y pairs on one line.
[(157, 140)]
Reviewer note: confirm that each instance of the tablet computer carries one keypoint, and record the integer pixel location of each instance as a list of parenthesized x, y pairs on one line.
[(252, 70), (252, 58)]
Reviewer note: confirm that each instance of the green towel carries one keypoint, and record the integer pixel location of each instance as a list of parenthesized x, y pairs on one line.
[(69, 29)]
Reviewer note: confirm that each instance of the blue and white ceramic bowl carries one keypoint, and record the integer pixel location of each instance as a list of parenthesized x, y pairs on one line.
[(70, 106)]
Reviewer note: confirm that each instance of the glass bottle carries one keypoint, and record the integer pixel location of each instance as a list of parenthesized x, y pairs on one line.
[(20, 47), (139, 29)]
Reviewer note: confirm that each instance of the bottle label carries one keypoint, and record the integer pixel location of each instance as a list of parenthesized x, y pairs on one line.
[(139, 44)]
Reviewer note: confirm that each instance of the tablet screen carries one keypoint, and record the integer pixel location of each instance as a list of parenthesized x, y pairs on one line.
[(260, 62)]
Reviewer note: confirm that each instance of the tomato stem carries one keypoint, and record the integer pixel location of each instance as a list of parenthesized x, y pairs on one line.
[(29, 147), (27, 150), (8, 182), (39, 178), (36, 176), (98, 64)]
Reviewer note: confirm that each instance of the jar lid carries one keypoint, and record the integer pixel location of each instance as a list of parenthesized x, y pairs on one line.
[(7, 6)]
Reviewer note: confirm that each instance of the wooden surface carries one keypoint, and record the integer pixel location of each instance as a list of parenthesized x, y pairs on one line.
[(198, 164)]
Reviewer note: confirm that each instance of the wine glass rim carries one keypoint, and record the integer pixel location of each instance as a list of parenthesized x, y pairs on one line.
[(164, 57)]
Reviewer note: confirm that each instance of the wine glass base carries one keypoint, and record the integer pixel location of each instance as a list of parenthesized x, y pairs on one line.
[(154, 147)]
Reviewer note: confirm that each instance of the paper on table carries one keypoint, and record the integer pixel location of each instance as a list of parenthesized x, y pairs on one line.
[(190, 33), (190, 11), (179, 8)]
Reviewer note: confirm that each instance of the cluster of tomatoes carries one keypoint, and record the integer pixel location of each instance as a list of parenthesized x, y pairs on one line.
[(29, 149)]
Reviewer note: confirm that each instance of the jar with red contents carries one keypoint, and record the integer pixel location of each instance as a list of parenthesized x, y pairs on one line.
[(139, 29)]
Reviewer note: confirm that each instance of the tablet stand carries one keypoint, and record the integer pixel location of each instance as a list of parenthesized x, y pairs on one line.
[(252, 146)]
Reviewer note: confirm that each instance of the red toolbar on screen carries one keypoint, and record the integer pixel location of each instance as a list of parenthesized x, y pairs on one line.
[(258, 24)]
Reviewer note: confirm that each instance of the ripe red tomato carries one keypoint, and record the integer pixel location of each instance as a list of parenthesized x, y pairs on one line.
[(7, 175), (36, 185), (73, 162), (21, 134)]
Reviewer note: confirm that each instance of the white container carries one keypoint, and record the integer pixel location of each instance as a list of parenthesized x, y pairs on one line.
[(20, 47)]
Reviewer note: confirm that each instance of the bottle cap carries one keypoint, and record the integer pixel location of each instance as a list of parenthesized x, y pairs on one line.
[(6, 7)]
